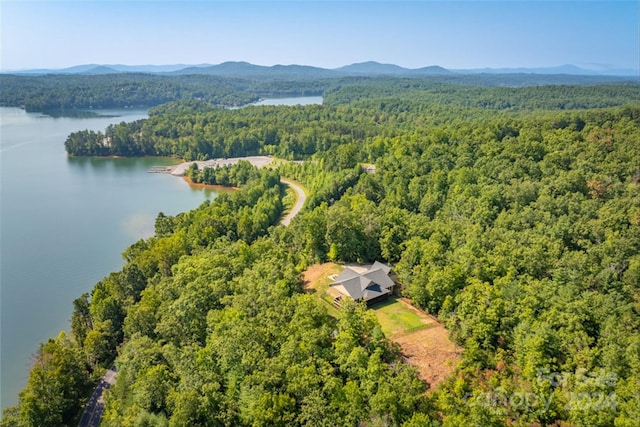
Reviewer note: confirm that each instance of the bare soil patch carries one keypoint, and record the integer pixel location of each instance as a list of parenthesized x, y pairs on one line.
[(316, 282), (432, 352), (316, 272)]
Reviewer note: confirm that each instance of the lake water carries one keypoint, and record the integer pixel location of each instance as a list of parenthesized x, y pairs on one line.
[(63, 224), (300, 100)]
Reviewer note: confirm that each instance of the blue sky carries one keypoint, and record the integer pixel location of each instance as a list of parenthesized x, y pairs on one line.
[(453, 34)]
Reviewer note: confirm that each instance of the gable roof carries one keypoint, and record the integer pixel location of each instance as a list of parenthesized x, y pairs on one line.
[(371, 283), (378, 265)]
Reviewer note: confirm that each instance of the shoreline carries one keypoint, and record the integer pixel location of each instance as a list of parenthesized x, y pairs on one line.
[(181, 169), (217, 187)]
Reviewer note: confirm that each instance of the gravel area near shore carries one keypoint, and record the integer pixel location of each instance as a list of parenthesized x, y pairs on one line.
[(181, 169)]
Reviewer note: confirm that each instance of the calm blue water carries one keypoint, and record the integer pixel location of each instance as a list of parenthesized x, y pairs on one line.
[(63, 225), (300, 100)]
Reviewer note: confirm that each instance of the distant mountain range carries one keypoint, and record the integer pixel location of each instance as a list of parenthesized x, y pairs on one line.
[(568, 69), (373, 68), (370, 68), (108, 69)]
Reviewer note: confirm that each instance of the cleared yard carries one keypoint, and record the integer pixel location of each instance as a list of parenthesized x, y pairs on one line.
[(424, 342), (396, 319), (431, 351), (316, 282)]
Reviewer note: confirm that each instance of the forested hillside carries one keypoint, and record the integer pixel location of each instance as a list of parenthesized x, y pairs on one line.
[(196, 130), (514, 221), (68, 93), (65, 93)]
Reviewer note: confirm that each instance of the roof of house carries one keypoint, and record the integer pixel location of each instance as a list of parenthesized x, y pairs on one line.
[(367, 284)]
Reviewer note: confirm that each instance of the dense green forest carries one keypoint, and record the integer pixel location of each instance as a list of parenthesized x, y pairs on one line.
[(72, 92), (196, 130), (65, 94), (513, 215)]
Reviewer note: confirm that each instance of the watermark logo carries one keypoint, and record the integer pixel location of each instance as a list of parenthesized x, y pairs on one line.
[(581, 390), (500, 398)]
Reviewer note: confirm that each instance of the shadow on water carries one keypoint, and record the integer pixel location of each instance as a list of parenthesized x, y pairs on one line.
[(88, 114), (86, 164), (128, 167), (76, 114), (118, 164)]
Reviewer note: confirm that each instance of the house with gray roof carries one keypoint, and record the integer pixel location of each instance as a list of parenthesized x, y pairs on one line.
[(366, 283)]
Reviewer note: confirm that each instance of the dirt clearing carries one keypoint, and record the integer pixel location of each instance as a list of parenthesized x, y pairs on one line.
[(429, 349)]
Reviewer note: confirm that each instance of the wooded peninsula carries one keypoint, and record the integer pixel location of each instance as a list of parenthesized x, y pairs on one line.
[(512, 214)]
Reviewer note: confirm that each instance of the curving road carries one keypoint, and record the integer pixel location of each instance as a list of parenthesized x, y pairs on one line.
[(259, 161), (95, 407), (300, 199)]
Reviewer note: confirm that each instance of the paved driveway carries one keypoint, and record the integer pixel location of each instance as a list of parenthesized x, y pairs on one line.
[(299, 202)]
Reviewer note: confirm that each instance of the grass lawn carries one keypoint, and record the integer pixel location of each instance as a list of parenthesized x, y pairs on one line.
[(397, 319)]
